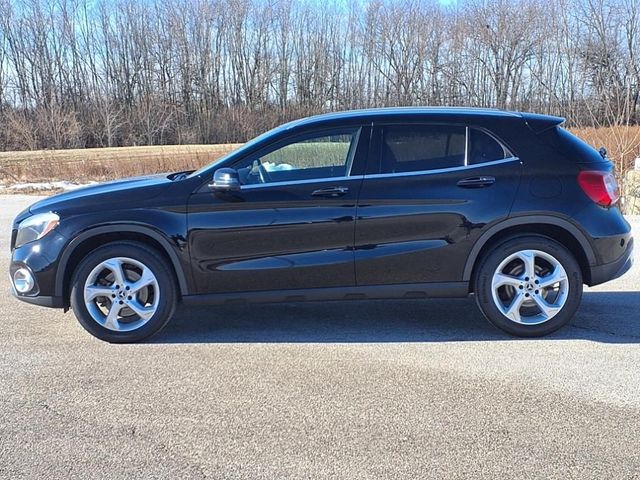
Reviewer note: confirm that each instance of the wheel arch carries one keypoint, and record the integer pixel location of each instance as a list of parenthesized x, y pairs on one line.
[(555, 228), (98, 236)]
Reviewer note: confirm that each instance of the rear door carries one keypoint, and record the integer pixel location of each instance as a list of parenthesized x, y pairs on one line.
[(428, 192)]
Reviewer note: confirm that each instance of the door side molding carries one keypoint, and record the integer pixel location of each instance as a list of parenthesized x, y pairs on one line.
[(365, 292)]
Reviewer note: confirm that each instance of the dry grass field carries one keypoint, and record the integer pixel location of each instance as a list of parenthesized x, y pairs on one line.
[(623, 145), (622, 142), (100, 164)]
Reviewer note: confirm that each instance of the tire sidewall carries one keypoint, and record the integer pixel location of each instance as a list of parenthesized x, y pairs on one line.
[(490, 263), (143, 254)]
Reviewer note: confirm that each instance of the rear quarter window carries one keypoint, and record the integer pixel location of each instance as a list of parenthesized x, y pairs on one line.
[(484, 148)]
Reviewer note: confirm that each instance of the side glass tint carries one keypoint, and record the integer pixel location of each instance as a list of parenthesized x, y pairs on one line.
[(484, 148), (305, 158), (411, 148)]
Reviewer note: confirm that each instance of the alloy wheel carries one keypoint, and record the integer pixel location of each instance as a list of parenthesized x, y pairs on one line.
[(530, 287), (121, 294)]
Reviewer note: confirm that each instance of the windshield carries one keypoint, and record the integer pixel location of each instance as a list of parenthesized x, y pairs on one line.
[(244, 147)]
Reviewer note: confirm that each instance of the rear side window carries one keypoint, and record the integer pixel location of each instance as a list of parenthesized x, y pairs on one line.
[(410, 148), (484, 148)]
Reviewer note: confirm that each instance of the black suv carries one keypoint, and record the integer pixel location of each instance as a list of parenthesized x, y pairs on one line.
[(385, 203)]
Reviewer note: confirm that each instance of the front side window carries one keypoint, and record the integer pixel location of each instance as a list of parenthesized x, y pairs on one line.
[(323, 155), (411, 148)]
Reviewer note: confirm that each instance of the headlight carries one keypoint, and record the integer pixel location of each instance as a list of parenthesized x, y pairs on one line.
[(36, 227)]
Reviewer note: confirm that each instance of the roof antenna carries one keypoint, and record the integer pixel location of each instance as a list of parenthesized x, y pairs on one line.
[(603, 152)]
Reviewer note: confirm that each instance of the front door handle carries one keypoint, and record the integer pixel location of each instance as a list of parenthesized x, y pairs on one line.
[(330, 192), (477, 182)]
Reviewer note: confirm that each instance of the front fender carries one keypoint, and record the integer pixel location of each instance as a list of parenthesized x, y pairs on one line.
[(78, 240)]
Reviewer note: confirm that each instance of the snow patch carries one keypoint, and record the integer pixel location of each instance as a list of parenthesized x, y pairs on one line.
[(62, 185)]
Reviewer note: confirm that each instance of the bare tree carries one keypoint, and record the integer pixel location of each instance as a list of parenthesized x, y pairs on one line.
[(130, 72)]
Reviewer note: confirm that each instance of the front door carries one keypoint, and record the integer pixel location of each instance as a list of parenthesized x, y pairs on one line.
[(292, 223)]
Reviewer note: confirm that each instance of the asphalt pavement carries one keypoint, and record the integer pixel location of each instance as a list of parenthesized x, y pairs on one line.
[(345, 390)]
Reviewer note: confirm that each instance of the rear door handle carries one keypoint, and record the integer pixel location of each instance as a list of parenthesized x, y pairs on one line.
[(477, 182), (330, 192)]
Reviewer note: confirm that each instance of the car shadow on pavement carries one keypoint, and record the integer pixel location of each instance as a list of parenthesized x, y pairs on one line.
[(611, 317)]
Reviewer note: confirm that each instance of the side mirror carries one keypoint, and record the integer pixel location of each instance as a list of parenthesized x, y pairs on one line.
[(225, 180)]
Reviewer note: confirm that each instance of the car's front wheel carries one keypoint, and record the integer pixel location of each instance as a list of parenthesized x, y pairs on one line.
[(123, 292), (528, 286)]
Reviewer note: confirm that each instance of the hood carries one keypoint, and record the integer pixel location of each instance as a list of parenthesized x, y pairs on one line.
[(114, 192)]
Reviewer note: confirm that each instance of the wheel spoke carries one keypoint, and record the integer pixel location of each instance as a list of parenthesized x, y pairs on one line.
[(93, 291), (501, 279), (111, 320), (529, 260), (546, 308), (147, 278), (558, 275), (115, 266), (513, 312), (143, 312)]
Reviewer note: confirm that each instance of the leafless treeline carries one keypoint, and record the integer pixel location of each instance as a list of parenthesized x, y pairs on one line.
[(77, 73)]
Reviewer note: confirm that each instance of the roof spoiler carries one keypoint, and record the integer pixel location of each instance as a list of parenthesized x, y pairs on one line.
[(540, 123)]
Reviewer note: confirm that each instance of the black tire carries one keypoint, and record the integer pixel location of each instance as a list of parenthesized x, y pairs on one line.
[(167, 296), (493, 259)]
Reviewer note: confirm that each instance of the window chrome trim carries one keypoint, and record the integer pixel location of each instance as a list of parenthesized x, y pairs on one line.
[(443, 170), (379, 175), (300, 182), (466, 145)]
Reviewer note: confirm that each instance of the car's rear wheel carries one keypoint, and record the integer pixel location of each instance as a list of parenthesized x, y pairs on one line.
[(123, 292), (528, 286)]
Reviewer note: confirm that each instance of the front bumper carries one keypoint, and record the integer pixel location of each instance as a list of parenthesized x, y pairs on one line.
[(41, 258), (40, 300), (609, 271)]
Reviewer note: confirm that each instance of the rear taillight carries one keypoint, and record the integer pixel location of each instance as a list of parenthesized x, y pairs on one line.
[(601, 187)]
